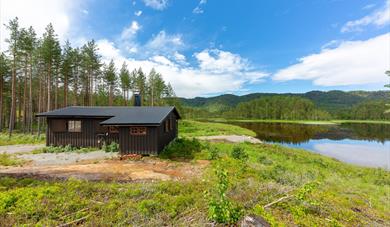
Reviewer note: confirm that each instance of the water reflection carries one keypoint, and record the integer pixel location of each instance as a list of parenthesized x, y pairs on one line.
[(300, 133), (361, 144)]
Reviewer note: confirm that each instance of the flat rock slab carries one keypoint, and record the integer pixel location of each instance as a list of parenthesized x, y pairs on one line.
[(65, 158), (230, 138), (18, 149)]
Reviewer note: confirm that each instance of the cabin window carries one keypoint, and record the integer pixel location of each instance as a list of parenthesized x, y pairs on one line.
[(113, 129), (74, 126), (138, 131)]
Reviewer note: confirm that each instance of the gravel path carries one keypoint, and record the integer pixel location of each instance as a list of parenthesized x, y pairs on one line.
[(17, 149), (231, 138), (65, 158)]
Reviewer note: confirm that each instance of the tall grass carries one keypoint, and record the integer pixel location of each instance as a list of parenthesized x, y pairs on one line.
[(19, 138)]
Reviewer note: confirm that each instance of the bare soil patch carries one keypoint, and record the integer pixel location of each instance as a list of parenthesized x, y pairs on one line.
[(148, 168), (230, 139)]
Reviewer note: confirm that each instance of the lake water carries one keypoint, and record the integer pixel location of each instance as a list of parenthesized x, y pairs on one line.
[(361, 144)]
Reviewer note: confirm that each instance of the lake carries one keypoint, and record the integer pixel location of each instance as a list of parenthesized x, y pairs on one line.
[(356, 143)]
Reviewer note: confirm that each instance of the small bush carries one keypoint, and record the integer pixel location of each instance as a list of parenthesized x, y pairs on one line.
[(213, 153), (239, 153), (264, 160), (112, 147), (221, 209), (181, 148)]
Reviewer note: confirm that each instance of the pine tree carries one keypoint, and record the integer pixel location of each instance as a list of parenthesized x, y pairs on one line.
[(49, 48), (124, 75), (13, 40), (110, 80)]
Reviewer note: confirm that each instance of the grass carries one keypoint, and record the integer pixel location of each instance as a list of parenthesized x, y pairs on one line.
[(189, 128), (10, 160), (318, 191), (19, 138), (328, 122)]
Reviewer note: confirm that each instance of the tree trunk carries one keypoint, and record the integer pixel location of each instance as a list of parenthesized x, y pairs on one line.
[(40, 97), (13, 98), (1, 102), (56, 90), (49, 87), (25, 98), (110, 96), (65, 90), (30, 99)]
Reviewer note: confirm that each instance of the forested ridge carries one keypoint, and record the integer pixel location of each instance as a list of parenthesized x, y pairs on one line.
[(314, 105), (38, 74)]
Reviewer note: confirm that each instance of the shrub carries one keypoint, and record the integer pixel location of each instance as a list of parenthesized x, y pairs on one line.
[(239, 153), (213, 153), (221, 209), (62, 149), (181, 148), (112, 147)]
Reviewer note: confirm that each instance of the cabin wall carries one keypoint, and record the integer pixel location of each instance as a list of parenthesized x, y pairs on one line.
[(164, 138), (138, 144), (88, 137)]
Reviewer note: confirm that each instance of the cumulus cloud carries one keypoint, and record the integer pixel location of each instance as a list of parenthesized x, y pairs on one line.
[(350, 63), (379, 18), (39, 13), (156, 4), (192, 81), (164, 43), (138, 13)]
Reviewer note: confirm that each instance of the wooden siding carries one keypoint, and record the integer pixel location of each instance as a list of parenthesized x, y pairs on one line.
[(164, 138), (138, 144), (88, 137)]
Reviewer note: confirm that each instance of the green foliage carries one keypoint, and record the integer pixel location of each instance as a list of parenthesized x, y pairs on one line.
[(221, 209), (213, 153), (62, 149), (181, 148), (19, 138), (239, 153), (9, 160), (112, 147)]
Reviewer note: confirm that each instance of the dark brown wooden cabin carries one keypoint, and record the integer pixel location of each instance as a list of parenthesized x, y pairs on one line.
[(137, 130)]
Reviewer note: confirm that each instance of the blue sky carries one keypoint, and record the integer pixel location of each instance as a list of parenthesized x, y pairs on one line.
[(210, 47)]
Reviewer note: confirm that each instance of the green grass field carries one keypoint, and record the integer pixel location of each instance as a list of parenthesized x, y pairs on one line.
[(317, 190)]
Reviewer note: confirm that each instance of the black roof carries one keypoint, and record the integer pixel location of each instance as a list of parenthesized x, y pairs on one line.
[(138, 115)]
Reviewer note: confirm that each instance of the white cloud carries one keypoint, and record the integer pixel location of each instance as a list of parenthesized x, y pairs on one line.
[(179, 58), (39, 13), (379, 18), (350, 63), (131, 30), (156, 4), (190, 81), (138, 13), (164, 43), (86, 12), (198, 9)]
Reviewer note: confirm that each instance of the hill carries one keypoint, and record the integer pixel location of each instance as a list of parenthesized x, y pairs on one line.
[(334, 102)]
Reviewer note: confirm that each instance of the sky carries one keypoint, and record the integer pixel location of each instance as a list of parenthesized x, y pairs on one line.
[(212, 47)]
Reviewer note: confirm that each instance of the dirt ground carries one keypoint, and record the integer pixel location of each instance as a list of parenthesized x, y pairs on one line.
[(148, 168)]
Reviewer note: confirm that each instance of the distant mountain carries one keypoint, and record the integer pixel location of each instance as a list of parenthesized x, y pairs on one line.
[(331, 101)]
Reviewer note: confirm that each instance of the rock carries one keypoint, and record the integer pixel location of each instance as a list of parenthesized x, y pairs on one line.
[(254, 221)]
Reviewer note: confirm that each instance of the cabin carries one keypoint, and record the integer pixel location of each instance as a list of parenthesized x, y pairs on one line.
[(141, 130)]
